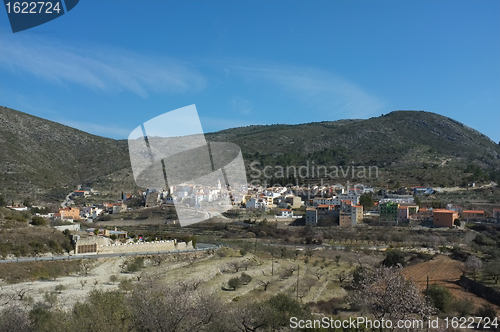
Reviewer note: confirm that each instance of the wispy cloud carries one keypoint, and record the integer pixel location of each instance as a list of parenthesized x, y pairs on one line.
[(241, 105), (99, 68), (319, 89)]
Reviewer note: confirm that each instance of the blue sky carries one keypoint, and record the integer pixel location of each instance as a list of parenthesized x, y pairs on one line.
[(107, 66)]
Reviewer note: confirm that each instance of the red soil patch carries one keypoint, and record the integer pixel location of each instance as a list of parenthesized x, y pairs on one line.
[(446, 272)]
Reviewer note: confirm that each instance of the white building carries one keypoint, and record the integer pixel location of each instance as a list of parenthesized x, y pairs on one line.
[(354, 198), (322, 201), (285, 213), (256, 203)]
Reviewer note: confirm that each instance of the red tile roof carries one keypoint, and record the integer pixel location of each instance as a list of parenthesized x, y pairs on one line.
[(443, 211)]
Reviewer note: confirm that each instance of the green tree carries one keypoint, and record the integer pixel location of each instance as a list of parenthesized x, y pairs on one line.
[(96, 231), (394, 257), (280, 308), (234, 283), (492, 270), (2, 201), (366, 200)]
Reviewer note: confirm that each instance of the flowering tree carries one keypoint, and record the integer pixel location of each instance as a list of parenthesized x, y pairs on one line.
[(473, 264), (386, 293)]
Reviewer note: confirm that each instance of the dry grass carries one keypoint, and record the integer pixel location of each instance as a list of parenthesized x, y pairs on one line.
[(44, 270)]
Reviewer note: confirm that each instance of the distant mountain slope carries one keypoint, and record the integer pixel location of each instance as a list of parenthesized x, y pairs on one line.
[(414, 147), (38, 155), (410, 147), (363, 140)]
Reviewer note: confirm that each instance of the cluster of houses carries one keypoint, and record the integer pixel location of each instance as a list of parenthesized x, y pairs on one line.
[(342, 206), (189, 195), (85, 213), (333, 204), (328, 205)]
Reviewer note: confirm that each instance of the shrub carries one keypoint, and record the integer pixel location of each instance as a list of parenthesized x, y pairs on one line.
[(245, 278), (463, 307), (59, 288), (38, 221), (221, 253), (234, 283), (440, 297), (135, 265)]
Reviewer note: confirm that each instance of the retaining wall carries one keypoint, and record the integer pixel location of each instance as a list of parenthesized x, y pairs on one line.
[(144, 247), (490, 294)]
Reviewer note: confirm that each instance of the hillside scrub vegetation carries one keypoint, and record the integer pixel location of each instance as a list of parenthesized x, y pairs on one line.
[(30, 241), (154, 307)]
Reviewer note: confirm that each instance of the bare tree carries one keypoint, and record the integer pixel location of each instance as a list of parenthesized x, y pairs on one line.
[(386, 293), (265, 283), (21, 293), (246, 264), (87, 266), (158, 259), (288, 271), (318, 273), (6, 298), (190, 285), (249, 318), (342, 276), (159, 308), (309, 282), (221, 253), (236, 266)]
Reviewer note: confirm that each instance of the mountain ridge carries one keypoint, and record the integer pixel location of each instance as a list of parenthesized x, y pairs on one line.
[(40, 156)]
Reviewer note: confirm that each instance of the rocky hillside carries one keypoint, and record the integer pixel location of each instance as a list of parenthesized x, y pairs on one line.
[(40, 157)]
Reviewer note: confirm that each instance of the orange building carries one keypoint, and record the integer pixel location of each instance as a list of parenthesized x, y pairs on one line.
[(69, 213), (444, 218), (472, 215)]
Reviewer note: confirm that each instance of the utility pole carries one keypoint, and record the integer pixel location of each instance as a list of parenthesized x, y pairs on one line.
[(298, 276), (272, 262), (427, 290)]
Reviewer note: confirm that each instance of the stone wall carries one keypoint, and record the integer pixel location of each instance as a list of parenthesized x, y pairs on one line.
[(144, 247), (73, 227)]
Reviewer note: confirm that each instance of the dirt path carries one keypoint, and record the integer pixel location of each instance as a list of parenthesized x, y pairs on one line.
[(72, 288)]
